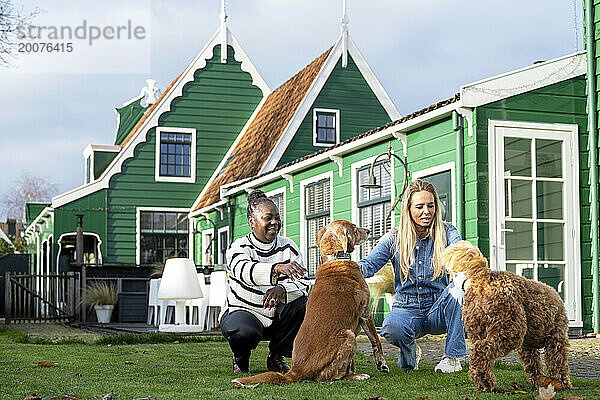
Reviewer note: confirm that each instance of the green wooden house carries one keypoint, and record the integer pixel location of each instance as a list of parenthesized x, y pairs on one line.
[(172, 149), (508, 155), (138, 191)]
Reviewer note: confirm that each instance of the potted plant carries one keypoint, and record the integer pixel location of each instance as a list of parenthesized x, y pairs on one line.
[(103, 297)]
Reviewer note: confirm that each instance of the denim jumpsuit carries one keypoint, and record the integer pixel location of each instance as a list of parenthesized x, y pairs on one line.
[(421, 305)]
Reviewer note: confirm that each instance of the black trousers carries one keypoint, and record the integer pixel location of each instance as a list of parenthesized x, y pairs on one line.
[(244, 331)]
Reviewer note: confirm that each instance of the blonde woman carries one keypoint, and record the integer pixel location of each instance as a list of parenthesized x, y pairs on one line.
[(426, 302)]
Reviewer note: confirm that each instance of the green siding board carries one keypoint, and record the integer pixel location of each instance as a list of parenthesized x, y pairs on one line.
[(93, 208), (129, 115), (218, 102), (360, 110), (102, 160)]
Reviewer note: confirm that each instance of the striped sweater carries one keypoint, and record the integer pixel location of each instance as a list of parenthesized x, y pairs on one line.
[(250, 264)]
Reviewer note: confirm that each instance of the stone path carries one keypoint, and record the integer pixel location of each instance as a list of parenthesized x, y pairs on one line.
[(584, 353)]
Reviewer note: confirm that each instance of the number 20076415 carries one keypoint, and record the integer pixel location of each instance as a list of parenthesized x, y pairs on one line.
[(44, 47)]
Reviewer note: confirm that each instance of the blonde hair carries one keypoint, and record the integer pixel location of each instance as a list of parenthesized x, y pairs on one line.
[(407, 235)]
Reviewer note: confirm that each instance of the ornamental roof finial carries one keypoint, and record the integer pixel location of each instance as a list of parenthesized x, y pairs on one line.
[(223, 17), (345, 21)]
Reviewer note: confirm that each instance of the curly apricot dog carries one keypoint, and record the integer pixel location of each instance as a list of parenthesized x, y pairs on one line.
[(503, 312)]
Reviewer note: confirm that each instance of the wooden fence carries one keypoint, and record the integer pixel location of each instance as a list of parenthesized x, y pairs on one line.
[(42, 298)]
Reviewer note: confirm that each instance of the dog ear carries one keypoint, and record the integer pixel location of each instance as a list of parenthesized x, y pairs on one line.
[(320, 235), (343, 236)]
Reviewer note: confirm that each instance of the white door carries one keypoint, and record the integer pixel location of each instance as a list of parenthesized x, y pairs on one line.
[(534, 198)]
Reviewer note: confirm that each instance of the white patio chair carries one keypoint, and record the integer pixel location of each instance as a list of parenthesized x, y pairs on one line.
[(152, 318), (198, 307), (218, 296), (166, 309)]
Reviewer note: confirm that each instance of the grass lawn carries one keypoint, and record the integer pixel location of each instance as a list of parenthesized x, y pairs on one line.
[(200, 368)]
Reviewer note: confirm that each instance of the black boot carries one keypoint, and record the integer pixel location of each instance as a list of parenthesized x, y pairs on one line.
[(276, 363)]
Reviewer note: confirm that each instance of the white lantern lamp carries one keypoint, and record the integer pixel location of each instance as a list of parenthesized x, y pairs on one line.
[(180, 283)]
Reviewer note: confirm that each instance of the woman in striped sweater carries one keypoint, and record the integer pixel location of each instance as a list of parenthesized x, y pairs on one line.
[(267, 290)]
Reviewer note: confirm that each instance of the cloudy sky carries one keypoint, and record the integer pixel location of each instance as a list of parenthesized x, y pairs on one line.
[(421, 51)]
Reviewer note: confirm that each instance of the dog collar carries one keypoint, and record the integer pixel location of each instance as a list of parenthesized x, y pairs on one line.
[(341, 255)]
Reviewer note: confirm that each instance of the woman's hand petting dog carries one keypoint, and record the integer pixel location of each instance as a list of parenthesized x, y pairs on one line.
[(292, 270), (273, 297)]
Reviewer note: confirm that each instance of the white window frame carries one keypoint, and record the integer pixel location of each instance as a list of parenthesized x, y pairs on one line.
[(337, 126), (572, 216), (221, 260), (179, 179), (275, 192), (354, 167), (303, 184), (449, 166), (138, 229)]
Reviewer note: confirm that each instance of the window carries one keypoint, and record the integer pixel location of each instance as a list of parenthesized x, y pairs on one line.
[(442, 178), (175, 154), (88, 168), (326, 127), (317, 215), (277, 196), (374, 204), (223, 244), (162, 235)]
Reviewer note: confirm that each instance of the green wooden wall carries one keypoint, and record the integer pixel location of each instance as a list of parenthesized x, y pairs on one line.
[(563, 102), (217, 103), (94, 210), (102, 160), (360, 110), (129, 115)]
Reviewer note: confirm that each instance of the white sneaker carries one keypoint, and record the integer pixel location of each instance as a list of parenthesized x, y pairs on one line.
[(448, 365), (417, 356)]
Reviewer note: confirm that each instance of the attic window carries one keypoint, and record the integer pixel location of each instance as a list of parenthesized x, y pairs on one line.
[(175, 155), (326, 127)]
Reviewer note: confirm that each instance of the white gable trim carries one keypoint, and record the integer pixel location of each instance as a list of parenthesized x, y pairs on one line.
[(199, 62), (315, 89), (523, 80)]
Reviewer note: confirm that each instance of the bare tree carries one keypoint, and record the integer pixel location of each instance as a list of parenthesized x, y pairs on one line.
[(27, 188), (13, 25)]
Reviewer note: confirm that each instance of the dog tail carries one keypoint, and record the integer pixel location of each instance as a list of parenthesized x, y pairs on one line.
[(464, 257), (266, 377)]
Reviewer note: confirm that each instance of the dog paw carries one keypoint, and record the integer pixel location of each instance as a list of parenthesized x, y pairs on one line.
[(382, 367), (240, 385), (361, 377), (498, 389)]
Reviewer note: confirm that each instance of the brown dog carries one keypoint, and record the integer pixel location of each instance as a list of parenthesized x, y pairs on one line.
[(337, 308), (503, 312)]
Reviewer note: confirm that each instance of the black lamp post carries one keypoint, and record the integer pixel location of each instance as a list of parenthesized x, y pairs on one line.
[(212, 240), (372, 180)]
